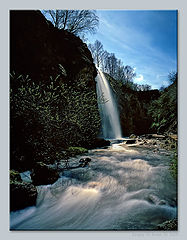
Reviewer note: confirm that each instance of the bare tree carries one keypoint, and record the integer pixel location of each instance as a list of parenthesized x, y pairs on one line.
[(97, 52), (129, 74), (77, 22)]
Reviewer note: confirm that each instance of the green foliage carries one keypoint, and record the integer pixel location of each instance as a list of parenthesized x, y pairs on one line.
[(174, 165), (14, 176), (164, 110), (48, 117), (133, 110), (72, 151)]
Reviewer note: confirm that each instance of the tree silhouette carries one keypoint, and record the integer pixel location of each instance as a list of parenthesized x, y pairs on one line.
[(77, 22)]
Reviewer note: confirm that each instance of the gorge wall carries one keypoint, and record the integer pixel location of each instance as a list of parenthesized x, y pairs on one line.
[(53, 103)]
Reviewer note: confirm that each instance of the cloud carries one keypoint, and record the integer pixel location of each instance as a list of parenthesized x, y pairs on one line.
[(140, 78)]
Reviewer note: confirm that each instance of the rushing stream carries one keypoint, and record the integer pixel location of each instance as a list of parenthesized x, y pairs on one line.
[(123, 188)]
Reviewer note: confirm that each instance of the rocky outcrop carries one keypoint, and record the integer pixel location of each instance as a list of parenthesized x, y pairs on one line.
[(21, 194), (61, 71), (40, 50), (43, 174)]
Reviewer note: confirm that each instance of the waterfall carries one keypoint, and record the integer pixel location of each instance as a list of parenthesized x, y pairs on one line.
[(111, 128)]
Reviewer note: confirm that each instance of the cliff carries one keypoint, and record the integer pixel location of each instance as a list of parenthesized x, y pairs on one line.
[(53, 103)]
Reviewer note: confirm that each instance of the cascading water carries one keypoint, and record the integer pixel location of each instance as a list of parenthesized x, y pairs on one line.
[(111, 128), (123, 188)]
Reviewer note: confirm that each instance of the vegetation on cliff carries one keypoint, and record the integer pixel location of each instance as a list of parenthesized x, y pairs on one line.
[(53, 103), (164, 109)]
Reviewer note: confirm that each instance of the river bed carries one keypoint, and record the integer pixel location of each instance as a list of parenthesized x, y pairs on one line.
[(123, 188)]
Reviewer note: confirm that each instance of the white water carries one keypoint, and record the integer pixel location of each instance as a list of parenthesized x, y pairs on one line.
[(108, 109), (122, 189)]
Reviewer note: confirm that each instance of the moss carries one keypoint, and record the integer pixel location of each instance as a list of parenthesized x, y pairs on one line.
[(73, 151), (169, 225), (15, 176), (174, 166)]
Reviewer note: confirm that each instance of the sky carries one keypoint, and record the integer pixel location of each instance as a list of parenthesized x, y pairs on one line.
[(145, 40)]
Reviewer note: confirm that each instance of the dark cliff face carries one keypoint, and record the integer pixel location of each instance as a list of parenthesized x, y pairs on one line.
[(56, 106), (37, 48)]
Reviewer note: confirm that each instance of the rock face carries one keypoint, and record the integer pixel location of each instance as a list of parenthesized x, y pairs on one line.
[(21, 194), (49, 56), (43, 174), (37, 48)]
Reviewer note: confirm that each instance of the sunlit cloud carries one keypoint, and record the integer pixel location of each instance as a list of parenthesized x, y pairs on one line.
[(139, 78)]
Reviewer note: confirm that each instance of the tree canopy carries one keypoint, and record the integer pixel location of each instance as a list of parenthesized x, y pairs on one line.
[(77, 22)]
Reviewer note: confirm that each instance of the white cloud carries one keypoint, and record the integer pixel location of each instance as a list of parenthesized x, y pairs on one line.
[(139, 78)]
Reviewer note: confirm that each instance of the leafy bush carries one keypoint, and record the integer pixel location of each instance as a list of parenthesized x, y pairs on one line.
[(46, 117), (164, 111), (72, 151)]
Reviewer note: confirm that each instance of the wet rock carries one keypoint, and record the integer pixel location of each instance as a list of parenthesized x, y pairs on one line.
[(100, 142), (84, 162), (43, 174), (168, 225), (15, 176), (25, 176), (132, 136), (131, 141), (21, 194), (162, 202), (158, 136)]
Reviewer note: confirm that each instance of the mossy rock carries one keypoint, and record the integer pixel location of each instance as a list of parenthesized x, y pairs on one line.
[(15, 176), (169, 225), (22, 195), (42, 174), (73, 151)]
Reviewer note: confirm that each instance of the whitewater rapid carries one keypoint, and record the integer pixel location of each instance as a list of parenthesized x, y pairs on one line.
[(123, 188)]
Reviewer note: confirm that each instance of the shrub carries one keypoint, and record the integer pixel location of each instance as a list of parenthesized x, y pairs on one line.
[(72, 151), (46, 117)]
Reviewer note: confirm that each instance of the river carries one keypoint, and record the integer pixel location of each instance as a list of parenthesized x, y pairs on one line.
[(123, 188)]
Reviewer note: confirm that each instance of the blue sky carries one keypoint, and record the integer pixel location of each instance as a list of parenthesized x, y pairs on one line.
[(145, 40)]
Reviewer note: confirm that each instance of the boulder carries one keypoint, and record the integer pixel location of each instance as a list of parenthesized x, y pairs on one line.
[(84, 162), (132, 136), (21, 194), (43, 174), (15, 176), (168, 225), (100, 142), (131, 141)]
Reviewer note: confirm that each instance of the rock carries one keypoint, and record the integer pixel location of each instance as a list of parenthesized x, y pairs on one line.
[(158, 136), (173, 137), (168, 225), (42, 174), (84, 162), (100, 142), (21, 194), (15, 176), (131, 141), (73, 151), (132, 136), (148, 136), (26, 176), (162, 202)]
